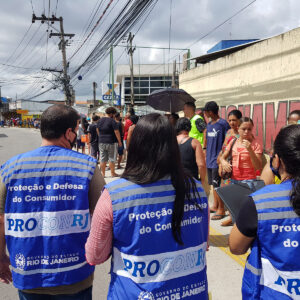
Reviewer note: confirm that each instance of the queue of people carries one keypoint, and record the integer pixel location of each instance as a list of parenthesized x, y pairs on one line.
[(58, 218)]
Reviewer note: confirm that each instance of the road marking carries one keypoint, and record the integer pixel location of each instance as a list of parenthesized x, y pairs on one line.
[(219, 240)]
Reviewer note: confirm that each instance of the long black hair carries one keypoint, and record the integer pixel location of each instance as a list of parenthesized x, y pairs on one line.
[(153, 154), (287, 147)]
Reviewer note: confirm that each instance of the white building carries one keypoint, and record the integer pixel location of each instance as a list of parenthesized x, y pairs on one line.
[(147, 79)]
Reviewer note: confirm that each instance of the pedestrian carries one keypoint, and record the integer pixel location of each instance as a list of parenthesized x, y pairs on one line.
[(127, 124), (47, 196), (134, 119), (246, 155), (108, 136), (269, 223), (93, 137), (234, 118), (294, 117), (215, 135), (118, 119), (80, 145), (153, 221), (198, 128), (191, 153)]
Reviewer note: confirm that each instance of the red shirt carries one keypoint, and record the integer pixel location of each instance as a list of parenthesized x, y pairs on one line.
[(242, 168), (127, 124)]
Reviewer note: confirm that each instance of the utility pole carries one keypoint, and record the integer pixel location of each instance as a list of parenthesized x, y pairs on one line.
[(62, 47), (94, 93), (174, 75), (130, 52)]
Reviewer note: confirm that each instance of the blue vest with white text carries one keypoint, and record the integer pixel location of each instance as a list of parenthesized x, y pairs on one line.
[(273, 267), (47, 217), (147, 262)]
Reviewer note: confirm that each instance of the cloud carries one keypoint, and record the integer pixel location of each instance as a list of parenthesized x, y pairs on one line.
[(191, 20)]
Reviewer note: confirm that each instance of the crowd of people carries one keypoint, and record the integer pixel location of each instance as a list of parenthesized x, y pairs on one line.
[(154, 220)]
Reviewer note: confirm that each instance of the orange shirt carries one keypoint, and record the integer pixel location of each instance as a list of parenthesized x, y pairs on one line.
[(242, 168)]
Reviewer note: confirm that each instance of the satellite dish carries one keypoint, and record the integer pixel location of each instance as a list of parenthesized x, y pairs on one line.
[(79, 77)]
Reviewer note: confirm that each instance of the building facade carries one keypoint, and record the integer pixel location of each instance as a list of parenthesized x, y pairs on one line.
[(147, 79), (260, 78)]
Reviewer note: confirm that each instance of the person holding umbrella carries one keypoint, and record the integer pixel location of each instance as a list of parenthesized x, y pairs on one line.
[(269, 223)]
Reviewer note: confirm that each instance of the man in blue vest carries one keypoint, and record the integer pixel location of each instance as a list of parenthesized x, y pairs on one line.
[(46, 197)]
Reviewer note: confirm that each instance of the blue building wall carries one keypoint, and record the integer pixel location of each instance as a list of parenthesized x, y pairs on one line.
[(224, 44)]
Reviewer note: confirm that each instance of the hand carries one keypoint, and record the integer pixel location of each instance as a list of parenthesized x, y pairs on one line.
[(120, 144), (5, 273), (246, 144), (226, 166)]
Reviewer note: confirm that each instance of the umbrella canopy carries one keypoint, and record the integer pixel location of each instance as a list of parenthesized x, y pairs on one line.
[(234, 195), (169, 99)]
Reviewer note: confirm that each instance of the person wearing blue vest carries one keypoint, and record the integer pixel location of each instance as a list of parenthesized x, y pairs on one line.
[(269, 223), (154, 221), (46, 197)]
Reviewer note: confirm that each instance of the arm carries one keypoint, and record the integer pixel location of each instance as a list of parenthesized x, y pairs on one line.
[(99, 243), (200, 159), (255, 157), (239, 243), (96, 186), (130, 131), (5, 273), (224, 163), (204, 140), (97, 129), (118, 136)]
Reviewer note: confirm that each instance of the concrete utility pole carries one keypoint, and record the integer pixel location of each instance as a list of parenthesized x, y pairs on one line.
[(130, 52), (62, 47), (94, 93), (174, 85)]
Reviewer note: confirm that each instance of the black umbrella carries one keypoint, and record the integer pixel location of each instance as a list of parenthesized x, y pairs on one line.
[(169, 99), (235, 195)]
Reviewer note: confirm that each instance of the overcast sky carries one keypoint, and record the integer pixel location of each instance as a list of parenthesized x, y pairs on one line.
[(190, 19)]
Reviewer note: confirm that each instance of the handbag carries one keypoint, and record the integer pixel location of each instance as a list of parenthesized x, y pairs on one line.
[(85, 138), (224, 174)]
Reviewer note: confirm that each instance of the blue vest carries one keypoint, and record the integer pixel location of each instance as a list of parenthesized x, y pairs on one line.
[(273, 267), (147, 262), (47, 217)]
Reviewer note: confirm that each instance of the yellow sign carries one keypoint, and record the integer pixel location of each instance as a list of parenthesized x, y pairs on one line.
[(22, 111)]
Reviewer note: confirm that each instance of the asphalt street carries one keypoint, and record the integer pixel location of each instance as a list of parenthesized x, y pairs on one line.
[(224, 270)]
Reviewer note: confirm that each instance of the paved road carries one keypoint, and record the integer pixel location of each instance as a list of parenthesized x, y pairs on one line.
[(224, 270)]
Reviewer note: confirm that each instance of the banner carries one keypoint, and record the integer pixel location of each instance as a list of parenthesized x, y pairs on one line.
[(107, 93)]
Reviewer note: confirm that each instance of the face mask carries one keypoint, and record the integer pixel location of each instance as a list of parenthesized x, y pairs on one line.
[(72, 144), (274, 171)]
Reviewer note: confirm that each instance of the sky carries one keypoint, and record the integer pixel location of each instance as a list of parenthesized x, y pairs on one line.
[(25, 47)]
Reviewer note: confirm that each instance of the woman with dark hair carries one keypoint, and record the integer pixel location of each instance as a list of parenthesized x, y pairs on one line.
[(191, 152), (269, 223), (246, 155), (154, 221)]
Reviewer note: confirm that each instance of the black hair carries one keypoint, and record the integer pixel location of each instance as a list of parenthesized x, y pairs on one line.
[(295, 112), (183, 124), (246, 120), (174, 116), (153, 154), (190, 104), (56, 119), (95, 118), (117, 115), (235, 113), (134, 119), (287, 147), (110, 110)]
